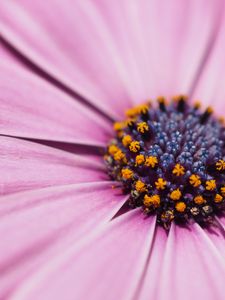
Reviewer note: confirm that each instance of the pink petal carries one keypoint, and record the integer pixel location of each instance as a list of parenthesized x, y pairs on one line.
[(152, 280), (108, 265), (5, 54), (28, 165), (221, 220), (115, 53), (210, 88), (217, 236), (78, 51), (32, 108), (163, 36), (192, 267), (45, 223)]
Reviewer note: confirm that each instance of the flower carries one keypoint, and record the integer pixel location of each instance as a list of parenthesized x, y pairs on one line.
[(70, 69)]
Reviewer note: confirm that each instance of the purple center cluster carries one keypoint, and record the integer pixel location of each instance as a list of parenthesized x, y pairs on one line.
[(175, 135)]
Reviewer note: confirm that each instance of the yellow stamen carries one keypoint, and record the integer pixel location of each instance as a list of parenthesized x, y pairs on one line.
[(113, 149), (178, 170), (195, 180), (153, 200), (223, 190), (199, 200), (209, 110), (151, 161), (160, 184), (119, 155), (139, 159), (130, 122), (134, 146), (220, 165), (143, 108), (180, 206), (197, 105), (142, 127), (221, 120), (179, 97), (118, 126), (167, 216), (218, 198), (161, 100), (210, 185), (131, 112), (126, 173), (127, 139), (120, 134), (176, 195), (140, 186)]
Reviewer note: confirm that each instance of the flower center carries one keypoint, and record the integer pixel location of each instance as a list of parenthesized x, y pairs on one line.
[(171, 160)]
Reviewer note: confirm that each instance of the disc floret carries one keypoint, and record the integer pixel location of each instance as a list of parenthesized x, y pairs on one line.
[(171, 159)]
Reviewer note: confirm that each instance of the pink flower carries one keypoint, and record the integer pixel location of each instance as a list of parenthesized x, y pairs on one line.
[(68, 69)]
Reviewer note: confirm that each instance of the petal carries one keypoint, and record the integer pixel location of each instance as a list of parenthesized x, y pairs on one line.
[(31, 108), (152, 280), (5, 54), (215, 237), (221, 221), (78, 51), (192, 267), (44, 223), (107, 266), (210, 87), (163, 36), (28, 165), (147, 47)]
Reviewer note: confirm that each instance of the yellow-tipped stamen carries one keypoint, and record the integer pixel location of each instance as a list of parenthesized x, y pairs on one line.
[(222, 190), (179, 97), (132, 112), (209, 110), (176, 195), (113, 149), (140, 186), (221, 120), (180, 206), (142, 127), (153, 200), (178, 170), (210, 185), (218, 198), (130, 122), (139, 159), (197, 105), (127, 173), (195, 180), (161, 100), (117, 126), (199, 200), (127, 139), (143, 109), (167, 216), (134, 146), (151, 161), (119, 155), (220, 165), (160, 184)]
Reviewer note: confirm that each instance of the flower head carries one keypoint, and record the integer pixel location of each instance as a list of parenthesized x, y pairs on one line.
[(72, 229)]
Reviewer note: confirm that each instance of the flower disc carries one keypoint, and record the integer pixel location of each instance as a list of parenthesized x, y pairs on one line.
[(171, 159)]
